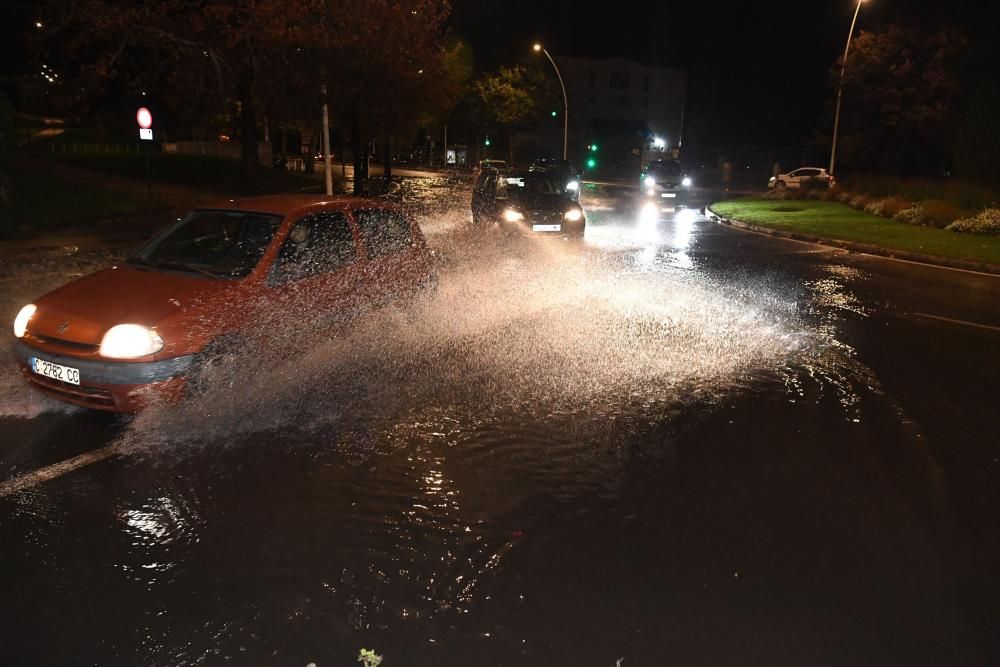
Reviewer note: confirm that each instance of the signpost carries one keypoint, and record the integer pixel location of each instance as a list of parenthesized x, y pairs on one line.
[(144, 117)]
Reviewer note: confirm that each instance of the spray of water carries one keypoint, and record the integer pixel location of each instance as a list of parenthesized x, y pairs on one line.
[(515, 326)]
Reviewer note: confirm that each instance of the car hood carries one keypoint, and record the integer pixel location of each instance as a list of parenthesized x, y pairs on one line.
[(543, 203), (83, 310)]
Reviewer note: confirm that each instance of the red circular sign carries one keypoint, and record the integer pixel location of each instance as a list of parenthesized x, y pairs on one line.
[(144, 118)]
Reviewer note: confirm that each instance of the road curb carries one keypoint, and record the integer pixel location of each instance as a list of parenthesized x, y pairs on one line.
[(864, 248)]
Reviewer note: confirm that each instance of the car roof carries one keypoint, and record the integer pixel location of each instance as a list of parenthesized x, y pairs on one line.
[(292, 205)]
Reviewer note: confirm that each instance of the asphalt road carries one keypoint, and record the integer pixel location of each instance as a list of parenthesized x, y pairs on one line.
[(670, 443)]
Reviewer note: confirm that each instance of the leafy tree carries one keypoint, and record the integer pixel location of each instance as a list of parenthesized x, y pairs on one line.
[(514, 98), (384, 62), (900, 100), (207, 55)]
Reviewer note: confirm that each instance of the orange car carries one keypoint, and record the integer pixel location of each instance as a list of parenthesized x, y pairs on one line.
[(122, 337)]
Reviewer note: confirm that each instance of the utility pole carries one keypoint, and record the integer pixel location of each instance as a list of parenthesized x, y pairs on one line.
[(327, 166)]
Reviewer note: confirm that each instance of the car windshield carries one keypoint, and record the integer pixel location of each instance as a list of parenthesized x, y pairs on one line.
[(534, 184), (666, 169), (218, 243)]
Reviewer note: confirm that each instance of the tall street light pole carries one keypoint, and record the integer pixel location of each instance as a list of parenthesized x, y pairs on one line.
[(840, 89), (538, 47)]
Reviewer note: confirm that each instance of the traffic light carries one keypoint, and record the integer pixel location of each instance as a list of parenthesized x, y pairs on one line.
[(591, 163), (555, 113), (593, 148), (487, 142)]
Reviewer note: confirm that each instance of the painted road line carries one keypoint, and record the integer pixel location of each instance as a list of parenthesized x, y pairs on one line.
[(28, 480), (988, 327)]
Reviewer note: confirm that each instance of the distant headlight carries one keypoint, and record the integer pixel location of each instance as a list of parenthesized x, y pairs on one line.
[(686, 182), (510, 215), (649, 182), (21, 321), (129, 341), (573, 185), (573, 215)]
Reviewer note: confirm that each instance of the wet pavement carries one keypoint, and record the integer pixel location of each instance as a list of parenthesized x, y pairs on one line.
[(670, 443)]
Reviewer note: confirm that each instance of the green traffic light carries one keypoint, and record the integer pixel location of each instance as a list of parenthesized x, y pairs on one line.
[(591, 163), (554, 114), (487, 142), (593, 148)]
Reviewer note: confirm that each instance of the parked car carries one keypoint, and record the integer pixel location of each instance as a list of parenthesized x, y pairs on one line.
[(492, 164), (562, 170), (666, 178), (529, 201), (119, 338), (802, 177)]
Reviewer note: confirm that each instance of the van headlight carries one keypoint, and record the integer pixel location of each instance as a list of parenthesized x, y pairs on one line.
[(573, 215), (510, 215), (573, 186), (130, 341), (21, 321), (649, 182), (686, 182)]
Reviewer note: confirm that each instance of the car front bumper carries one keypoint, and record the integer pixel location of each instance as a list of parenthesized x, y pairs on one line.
[(113, 386)]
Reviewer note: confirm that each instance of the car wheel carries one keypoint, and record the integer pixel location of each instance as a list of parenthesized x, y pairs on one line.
[(212, 367)]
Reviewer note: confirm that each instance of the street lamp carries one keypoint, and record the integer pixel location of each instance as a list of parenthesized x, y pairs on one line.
[(538, 47), (840, 89)]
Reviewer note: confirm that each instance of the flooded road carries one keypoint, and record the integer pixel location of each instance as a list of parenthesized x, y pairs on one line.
[(670, 443)]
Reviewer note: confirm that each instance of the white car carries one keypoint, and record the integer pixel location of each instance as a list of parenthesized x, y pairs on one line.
[(802, 177)]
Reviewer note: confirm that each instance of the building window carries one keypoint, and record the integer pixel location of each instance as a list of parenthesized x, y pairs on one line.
[(645, 83), (620, 100), (619, 80), (591, 77)]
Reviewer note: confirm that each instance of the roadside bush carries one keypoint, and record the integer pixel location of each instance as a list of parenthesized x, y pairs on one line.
[(912, 216), (986, 221), (875, 208), (888, 207), (860, 202), (778, 194), (940, 213), (963, 194), (845, 196)]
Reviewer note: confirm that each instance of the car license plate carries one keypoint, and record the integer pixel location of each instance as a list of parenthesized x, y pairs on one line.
[(669, 194), (55, 371), (546, 228)]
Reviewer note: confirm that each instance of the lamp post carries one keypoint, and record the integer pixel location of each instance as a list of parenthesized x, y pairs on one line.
[(538, 47), (840, 88)]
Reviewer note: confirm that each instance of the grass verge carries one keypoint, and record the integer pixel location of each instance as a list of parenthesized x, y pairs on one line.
[(833, 220)]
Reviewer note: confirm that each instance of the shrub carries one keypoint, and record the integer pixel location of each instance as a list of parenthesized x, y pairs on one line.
[(986, 221), (888, 207), (845, 196), (893, 205), (860, 201), (911, 216), (964, 195), (940, 213), (778, 194), (875, 208)]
